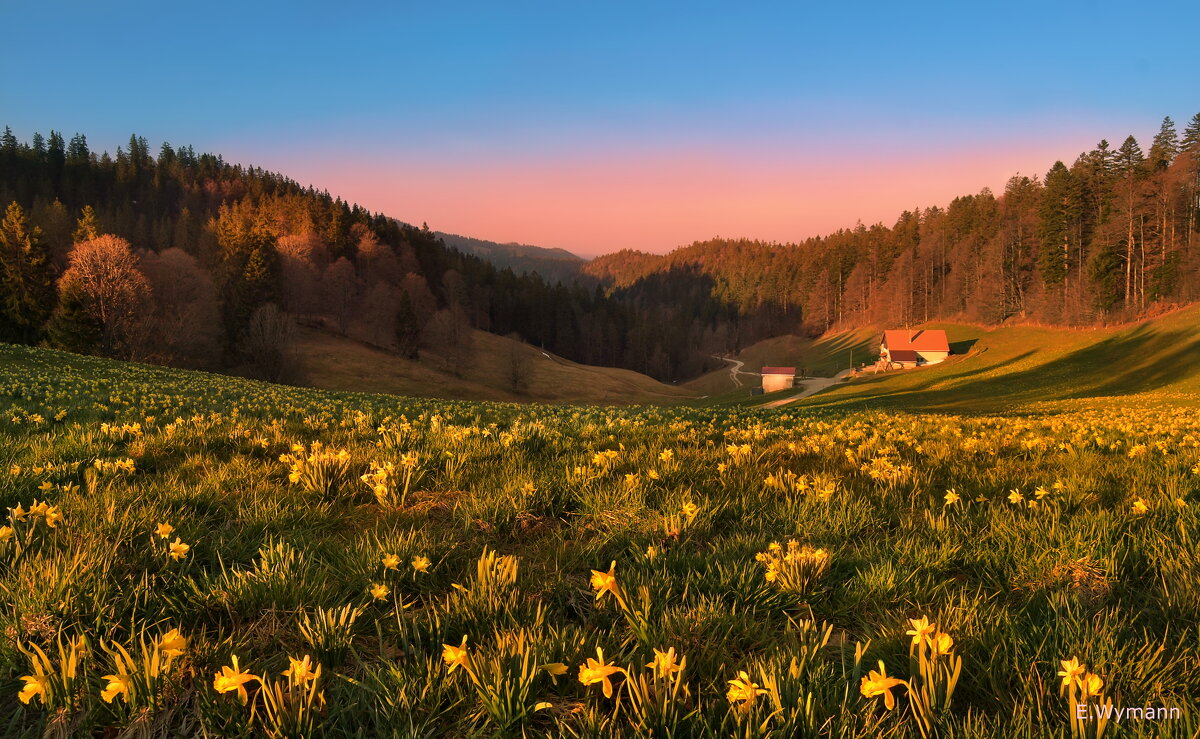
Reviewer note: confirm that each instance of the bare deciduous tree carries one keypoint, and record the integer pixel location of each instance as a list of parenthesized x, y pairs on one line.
[(185, 317), (516, 365), (104, 273), (269, 344), (339, 293)]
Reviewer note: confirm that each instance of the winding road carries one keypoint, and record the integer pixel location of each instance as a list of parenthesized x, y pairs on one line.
[(735, 369)]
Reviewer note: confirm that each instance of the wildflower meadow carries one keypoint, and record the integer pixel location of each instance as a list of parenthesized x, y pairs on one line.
[(188, 554)]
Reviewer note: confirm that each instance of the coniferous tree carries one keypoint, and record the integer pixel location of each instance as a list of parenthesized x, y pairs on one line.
[(86, 228), (1058, 210), (28, 277), (1191, 135), (1165, 146), (1130, 166), (72, 326)]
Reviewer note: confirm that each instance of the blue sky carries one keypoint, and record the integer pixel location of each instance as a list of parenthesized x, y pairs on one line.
[(366, 99)]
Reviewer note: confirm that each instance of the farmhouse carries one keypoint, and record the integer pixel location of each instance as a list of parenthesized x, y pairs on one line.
[(913, 347), (778, 378)]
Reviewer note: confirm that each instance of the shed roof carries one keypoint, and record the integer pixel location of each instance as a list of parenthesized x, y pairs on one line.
[(779, 370), (926, 340)]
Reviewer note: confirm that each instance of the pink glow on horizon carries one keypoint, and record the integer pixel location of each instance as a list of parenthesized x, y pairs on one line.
[(596, 204)]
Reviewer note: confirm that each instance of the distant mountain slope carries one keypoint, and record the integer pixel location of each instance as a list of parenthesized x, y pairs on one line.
[(556, 265)]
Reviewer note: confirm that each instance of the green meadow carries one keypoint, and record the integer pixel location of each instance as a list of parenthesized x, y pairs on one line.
[(971, 550)]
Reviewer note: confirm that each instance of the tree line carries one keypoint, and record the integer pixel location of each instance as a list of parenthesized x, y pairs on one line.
[(1113, 236), (182, 258)]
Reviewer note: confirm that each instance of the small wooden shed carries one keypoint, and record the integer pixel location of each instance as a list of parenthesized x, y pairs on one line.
[(778, 378)]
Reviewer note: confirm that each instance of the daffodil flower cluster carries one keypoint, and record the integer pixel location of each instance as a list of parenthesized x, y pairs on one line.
[(796, 568)]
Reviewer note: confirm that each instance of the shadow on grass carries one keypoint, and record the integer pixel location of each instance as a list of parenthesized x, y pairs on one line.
[(1138, 361)]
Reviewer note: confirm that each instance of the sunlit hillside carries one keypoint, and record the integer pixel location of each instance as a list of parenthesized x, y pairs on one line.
[(1029, 368)]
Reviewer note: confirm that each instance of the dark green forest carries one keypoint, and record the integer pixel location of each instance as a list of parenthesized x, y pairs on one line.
[(190, 260), (182, 258), (1112, 237)]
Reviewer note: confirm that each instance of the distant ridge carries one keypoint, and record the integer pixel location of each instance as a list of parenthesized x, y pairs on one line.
[(555, 265)]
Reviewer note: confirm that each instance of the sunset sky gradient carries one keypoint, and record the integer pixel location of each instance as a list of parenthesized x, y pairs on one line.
[(600, 126)]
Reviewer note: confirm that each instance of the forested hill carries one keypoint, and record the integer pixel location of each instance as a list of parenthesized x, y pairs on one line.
[(186, 259), (555, 265), (183, 258), (1112, 236)]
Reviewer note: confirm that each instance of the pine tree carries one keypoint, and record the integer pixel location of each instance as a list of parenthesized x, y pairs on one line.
[(1130, 165), (72, 326), (87, 227), (1058, 210), (28, 276), (1191, 135), (1165, 146)]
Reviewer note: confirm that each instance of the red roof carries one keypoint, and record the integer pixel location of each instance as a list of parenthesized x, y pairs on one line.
[(926, 340), (778, 370)]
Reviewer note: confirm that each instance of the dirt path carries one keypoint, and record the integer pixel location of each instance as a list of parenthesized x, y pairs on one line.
[(735, 369), (812, 386)]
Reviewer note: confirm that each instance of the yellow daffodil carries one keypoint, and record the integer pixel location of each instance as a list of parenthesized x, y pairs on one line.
[(651, 552), (164, 530), (118, 685), (6, 533), (1140, 506), (1071, 671), (1016, 497), (877, 683), (172, 644), (19, 513), (941, 643), (951, 497), (598, 671), (53, 516), (421, 563), (179, 550), (380, 591), (555, 670), (35, 685), (690, 510), (664, 664), (743, 690), (231, 678), (391, 561), (605, 582), (301, 671), (455, 657), (921, 630), (1090, 685)]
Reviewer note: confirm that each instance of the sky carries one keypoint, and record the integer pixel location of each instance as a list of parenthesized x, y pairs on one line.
[(598, 126)]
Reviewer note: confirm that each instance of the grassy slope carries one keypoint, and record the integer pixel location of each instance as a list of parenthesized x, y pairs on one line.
[(821, 357), (1022, 367), (337, 363), (1018, 587)]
